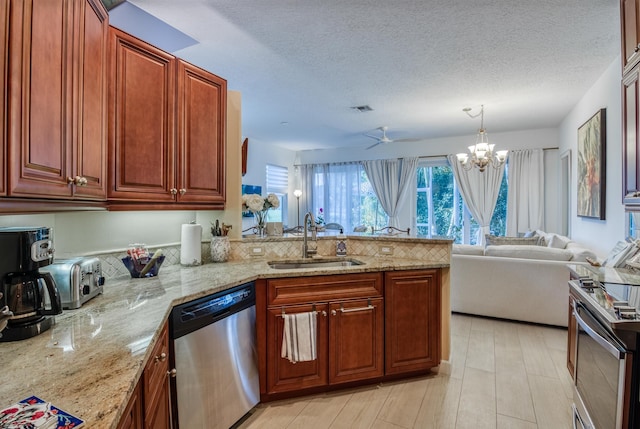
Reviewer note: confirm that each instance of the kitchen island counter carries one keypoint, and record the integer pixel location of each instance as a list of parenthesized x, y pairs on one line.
[(89, 362)]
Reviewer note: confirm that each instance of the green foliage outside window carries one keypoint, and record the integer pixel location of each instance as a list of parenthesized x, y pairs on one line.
[(440, 210)]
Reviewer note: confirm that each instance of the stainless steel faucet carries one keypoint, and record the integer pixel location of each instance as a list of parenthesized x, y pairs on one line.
[(306, 248)]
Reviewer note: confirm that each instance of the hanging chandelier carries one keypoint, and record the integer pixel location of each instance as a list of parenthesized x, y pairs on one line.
[(481, 154)]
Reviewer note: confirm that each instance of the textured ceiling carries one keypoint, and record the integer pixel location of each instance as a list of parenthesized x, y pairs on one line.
[(416, 63)]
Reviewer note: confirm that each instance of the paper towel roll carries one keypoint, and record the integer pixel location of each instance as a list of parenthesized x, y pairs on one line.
[(190, 247)]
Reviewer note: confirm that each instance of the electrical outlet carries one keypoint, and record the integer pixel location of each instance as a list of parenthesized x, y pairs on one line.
[(386, 250), (257, 251)]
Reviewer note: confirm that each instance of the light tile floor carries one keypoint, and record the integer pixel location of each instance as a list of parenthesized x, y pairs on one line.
[(504, 375)]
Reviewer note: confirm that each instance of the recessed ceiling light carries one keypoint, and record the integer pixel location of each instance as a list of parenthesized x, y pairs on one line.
[(363, 108)]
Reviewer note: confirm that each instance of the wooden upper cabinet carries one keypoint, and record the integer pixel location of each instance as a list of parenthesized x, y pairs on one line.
[(57, 51), (167, 129), (202, 107), (4, 51), (141, 134), (630, 162), (630, 32), (90, 155)]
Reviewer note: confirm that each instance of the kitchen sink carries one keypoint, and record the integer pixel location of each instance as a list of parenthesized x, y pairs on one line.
[(314, 263)]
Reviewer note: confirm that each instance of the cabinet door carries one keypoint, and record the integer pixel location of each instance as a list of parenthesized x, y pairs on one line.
[(4, 63), (412, 316), (284, 376), (155, 386), (40, 98), (356, 340), (202, 106), (141, 123), (571, 339), (90, 142), (630, 31), (132, 416), (159, 416), (630, 166)]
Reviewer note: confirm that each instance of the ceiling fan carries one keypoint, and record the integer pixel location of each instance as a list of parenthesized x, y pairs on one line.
[(384, 139)]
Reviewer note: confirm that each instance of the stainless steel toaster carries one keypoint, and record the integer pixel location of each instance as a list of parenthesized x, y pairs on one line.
[(78, 280)]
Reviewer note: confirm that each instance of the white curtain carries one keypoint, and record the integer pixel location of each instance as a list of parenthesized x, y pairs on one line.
[(480, 192), (334, 188), (391, 180), (525, 196)]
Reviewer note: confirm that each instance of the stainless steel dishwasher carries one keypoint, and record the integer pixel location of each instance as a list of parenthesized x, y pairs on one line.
[(214, 341)]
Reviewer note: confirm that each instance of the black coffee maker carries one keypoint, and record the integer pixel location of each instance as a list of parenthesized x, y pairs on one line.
[(31, 296)]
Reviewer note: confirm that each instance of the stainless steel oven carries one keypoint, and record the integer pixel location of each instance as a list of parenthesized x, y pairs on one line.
[(603, 366)]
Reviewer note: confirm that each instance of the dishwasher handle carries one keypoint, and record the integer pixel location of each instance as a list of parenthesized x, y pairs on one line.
[(196, 314)]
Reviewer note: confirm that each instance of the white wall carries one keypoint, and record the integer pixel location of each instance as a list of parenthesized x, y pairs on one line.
[(261, 154), (599, 235)]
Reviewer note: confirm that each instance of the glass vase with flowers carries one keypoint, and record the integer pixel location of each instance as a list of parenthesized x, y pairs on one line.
[(259, 206)]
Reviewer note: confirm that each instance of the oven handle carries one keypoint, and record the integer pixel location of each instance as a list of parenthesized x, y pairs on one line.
[(611, 348), (577, 418)]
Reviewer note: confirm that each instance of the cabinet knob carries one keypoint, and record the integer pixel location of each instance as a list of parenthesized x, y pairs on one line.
[(161, 358), (333, 312), (173, 191), (78, 181), (172, 373), (183, 191)]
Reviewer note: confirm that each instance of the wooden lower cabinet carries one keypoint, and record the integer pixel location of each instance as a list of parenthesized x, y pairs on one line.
[(150, 404), (412, 318), (356, 340), (284, 376), (132, 416), (370, 327)]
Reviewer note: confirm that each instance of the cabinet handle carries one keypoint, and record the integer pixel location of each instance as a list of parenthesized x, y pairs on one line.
[(183, 191), (637, 48), (172, 373), (353, 310), (70, 180), (173, 191), (161, 358)]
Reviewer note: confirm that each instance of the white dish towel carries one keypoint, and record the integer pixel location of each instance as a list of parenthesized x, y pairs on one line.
[(299, 337)]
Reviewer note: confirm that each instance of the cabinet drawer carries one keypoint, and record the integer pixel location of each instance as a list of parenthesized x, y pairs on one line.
[(298, 290), (155, 371)]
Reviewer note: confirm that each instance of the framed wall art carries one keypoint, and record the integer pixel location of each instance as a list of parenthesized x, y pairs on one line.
[(591, 166)]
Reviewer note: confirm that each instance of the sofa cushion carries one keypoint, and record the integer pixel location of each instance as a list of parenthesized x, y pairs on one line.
[(495, 240), (580, 254), (467, 249), (529, 252)]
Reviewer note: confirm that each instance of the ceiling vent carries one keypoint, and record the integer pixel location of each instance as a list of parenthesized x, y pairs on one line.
[(364, 108)]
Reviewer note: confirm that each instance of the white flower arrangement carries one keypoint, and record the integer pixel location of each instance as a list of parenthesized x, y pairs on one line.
[(259, 205)]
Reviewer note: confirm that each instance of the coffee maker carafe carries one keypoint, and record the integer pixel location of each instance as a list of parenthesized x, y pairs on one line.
[(30, 295)]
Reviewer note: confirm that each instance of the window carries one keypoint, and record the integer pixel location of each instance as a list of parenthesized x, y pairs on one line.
[(440, 209), (345, 195), (278, 183)]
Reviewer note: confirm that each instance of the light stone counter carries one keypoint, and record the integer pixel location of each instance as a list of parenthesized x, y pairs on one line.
[(89, 362)]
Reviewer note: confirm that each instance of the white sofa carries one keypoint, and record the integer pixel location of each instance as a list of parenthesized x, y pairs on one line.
[(519, 282)]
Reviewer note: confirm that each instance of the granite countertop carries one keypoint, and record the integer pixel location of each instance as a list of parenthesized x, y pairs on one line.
[(89, 362)]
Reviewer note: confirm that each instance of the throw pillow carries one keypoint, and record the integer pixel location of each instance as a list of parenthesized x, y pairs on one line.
[(558, 241), (495, 240)]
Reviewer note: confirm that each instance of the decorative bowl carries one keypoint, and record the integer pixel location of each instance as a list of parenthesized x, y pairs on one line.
[(135, 267)]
